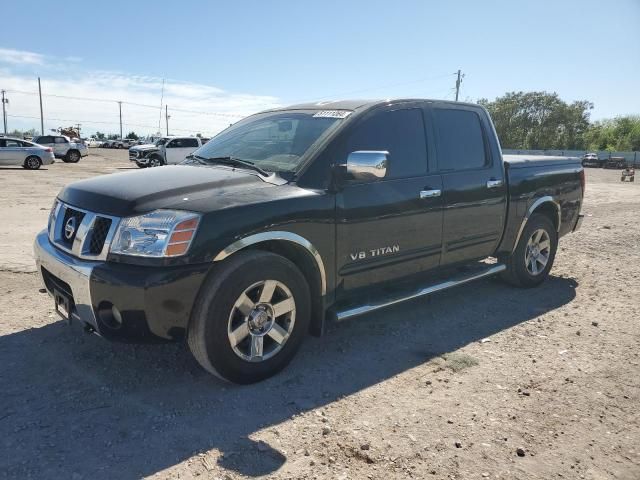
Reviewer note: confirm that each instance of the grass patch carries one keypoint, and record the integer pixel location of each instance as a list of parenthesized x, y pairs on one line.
[(458, 361)]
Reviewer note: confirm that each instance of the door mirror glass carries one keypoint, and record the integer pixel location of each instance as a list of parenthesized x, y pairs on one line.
[(367, 165)]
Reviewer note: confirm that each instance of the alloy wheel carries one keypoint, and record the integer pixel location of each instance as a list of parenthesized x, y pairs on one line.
[(261, 320), (537, 252)]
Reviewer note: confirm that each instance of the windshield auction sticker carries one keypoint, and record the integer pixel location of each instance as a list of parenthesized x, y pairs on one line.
[(332, 114)]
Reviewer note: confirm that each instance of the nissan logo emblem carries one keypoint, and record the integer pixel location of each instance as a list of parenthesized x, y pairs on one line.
[(70, 228)]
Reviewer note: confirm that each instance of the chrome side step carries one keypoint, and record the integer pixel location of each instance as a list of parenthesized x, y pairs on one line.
[(421, 292)]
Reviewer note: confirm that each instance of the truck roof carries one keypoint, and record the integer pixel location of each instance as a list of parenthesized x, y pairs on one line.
[(354, 104)]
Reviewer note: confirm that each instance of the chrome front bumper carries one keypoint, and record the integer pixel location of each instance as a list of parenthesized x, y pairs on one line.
[(74, 272)]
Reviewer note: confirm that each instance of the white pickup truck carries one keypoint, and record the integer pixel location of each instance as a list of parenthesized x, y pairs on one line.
[(165, 151)]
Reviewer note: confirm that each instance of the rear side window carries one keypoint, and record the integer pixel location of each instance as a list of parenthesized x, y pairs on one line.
[(401, 133), (460, 141), (61, 140), (13, 143)]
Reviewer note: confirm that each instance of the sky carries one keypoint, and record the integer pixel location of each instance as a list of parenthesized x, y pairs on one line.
[(221, 61)]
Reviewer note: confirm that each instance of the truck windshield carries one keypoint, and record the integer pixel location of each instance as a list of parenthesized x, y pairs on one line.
[(275, 141)]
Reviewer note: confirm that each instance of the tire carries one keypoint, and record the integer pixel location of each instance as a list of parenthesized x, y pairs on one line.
[(522, 273), (72, 156), (141, 165), (216, 314), (155, 161), (631, 179), (32, 163)]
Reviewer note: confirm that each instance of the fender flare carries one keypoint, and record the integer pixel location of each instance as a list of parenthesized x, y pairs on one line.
[(534, 206), (281, 236)]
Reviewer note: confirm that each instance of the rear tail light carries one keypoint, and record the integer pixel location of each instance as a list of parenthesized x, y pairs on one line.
[(583, 181), (48, 149)]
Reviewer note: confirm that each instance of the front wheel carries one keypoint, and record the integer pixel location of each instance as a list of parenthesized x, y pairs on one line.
[(155, 162), (531, 261), (250, 317)]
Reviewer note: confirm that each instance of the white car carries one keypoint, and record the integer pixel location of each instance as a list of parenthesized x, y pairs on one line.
[(63, 147), (14, 151)]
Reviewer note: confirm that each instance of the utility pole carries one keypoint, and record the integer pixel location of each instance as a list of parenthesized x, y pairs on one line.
[(120, 108), (79, 125), (458, 82), (166, 117), (41, 114), (4, 111)]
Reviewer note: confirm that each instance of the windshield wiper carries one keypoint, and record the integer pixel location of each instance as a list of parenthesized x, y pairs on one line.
[(235, 162), (201, 160)]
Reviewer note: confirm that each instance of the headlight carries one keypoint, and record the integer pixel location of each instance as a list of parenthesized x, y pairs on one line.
[(161, 233), (52, 215)]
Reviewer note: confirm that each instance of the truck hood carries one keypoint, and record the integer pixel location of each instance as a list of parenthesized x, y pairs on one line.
[(177, 186), (144, 148)]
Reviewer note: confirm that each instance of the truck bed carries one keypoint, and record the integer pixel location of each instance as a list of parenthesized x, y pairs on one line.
[(525, 161)]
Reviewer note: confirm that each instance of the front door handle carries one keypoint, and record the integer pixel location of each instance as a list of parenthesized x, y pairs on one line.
[(430, 193), (494, 183)]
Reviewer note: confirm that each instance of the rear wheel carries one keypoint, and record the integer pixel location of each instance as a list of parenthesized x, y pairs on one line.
[(32, 163), (250, 317), (531, 261), (72, 156)]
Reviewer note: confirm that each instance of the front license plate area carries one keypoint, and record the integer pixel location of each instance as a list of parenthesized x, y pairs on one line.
[(63, 305)]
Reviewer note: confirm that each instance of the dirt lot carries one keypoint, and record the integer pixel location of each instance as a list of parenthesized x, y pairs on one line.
[(448, 387)]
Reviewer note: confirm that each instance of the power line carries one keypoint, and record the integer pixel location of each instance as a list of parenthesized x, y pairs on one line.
[(391, 85), (103, 123), (104, 100)]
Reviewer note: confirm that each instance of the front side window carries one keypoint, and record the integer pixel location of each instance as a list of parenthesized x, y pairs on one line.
[(460, 141), (273, 141), (189, 142), (43, 139), (401, 133)]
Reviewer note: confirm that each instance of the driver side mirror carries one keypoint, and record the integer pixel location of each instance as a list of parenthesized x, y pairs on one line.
[(367, 165)]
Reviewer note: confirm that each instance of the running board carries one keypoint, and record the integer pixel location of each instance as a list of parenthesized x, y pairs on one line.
[(421, 292)]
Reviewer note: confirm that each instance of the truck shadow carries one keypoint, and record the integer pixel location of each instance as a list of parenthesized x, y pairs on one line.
[(76, 406)]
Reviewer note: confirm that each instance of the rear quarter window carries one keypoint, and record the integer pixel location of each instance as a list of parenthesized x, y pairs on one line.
[(460, 140)]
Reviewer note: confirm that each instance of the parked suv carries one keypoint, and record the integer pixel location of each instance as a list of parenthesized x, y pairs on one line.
[(297, 215), (164, 151), (63, 147)]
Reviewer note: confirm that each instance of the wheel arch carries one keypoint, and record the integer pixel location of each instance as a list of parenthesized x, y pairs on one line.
[(547, 206), (302, 253)]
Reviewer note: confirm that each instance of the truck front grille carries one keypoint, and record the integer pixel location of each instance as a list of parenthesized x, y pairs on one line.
[(87, 236)]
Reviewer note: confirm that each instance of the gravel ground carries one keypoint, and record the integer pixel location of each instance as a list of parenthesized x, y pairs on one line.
[(486, 381)]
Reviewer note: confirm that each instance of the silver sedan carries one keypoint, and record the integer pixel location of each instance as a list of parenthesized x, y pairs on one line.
[(29, 155)]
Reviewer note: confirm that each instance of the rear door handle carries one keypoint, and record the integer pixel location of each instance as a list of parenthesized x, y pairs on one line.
[(494, 183), (430, 193)]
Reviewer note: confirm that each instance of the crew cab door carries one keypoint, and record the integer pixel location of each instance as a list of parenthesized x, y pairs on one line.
[(178, 148), (391, 227), (474, 189)]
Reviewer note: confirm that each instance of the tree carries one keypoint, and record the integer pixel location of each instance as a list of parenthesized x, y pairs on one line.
[(99, 135), (620, 133), (132, 136), (539, 120), (112, 136)]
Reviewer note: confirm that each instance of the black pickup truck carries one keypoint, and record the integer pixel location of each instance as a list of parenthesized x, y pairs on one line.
[(297, 215)]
